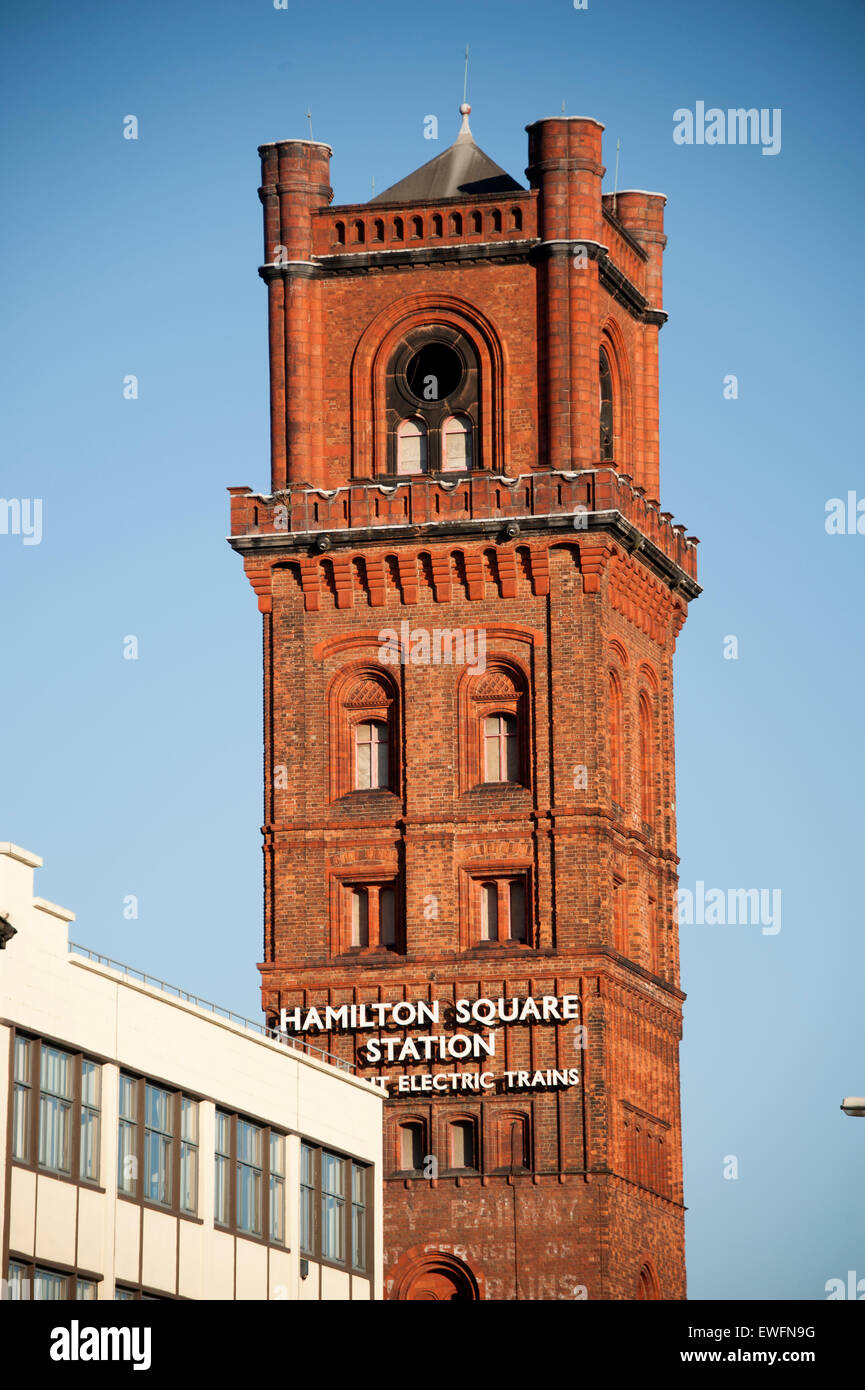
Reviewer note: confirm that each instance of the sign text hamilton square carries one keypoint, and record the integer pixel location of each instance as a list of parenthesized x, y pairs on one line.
[(439, 1047)]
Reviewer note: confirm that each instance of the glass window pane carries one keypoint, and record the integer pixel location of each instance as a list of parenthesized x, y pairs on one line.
[(85, 1289), (21, 1123), (157, 1167), (189, 1120), (489, 912), (492, 758), (17, 1284), (462, 1144), (458, 443), (157, 1109), (89, 1155), (248, 1199), (127, 1098), (90, 1084), (359, 917), (518, 911), (122, 1295), (220, 1204), (188, 1178), (364, 757), (54, 1117), (412, 447), (56, 1072), (127, 1162), (223, 1133), (49, 1287), (381, 754), (277, 1209), (22, 1061), (277, 1154), (386, 901), (511, 749), (248, 1143)]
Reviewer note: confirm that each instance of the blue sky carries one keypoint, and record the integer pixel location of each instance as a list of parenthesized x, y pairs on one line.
[(143, 777)]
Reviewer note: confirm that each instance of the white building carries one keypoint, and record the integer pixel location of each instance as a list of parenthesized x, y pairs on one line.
[(156, 1149)]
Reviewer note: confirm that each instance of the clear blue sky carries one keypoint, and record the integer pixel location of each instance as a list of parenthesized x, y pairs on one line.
[(143, 777)]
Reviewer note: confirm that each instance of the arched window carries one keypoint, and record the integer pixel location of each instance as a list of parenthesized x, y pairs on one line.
[(398, 231), (513, 1142), (339, 229), (463, 1144), (647, 1283), (437, 224), (494, 726), (477, 224), (647, 759), (502, 908), (371, 755), (359, 231), (516, 219), (412, 447), (417, 226), (495, 220), (363, 723), (616, 741), (411, 1146), (501, 748), (605, 407), (457, 444), (456, 224), (359, 916), (378, 230)]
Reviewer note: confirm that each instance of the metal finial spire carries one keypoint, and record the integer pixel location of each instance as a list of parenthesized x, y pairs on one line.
[(309, 118), (466, 76), (563, 108), (616, 179)]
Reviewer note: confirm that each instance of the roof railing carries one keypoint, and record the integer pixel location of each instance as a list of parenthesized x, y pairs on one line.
[(284, 1039)]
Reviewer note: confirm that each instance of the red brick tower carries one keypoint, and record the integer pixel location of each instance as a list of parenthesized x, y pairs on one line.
[(470, 603)]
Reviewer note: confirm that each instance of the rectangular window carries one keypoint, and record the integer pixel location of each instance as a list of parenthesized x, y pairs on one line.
[(359, 917), (91, 1081), (26, 1280), (489, 912), (157, 1145), (127, 1142), (387, 911), (307, 1199), (277, 1189), (21, 1111), (188, 1155), (249, 1189), (222, 1190), (358, 1217), (55, 1109), (334, 1208), (249, 1174)]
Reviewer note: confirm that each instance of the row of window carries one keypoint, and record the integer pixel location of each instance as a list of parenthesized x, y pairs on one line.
[(373, 760), (27, 1280), (455, 441), (454, 226), (370, 916), (56, 1127), (510, 1142)]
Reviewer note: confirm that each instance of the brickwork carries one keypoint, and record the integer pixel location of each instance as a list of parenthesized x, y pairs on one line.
[(575, 583)]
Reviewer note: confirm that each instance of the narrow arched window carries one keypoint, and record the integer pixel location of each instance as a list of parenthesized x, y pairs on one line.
[(516, 219), (359, 917), (359, 231), (398, 230), (411, 1145), (339, 229), (456, 224), (417, 226), (605, 393), (616, 740), (378, 230), (411, 452), (501, 748), (489, 912), (457, 444), (463, 1146), (495, 220), (437, 224), (647, 1283), (647, 760), (387, 916), (477, 224), (371, 755)]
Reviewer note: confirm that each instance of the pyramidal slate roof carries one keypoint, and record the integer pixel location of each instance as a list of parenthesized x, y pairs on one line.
[(461, 171)]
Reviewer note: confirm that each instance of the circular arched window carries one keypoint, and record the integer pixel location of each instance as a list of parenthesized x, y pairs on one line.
[(434, 372)]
